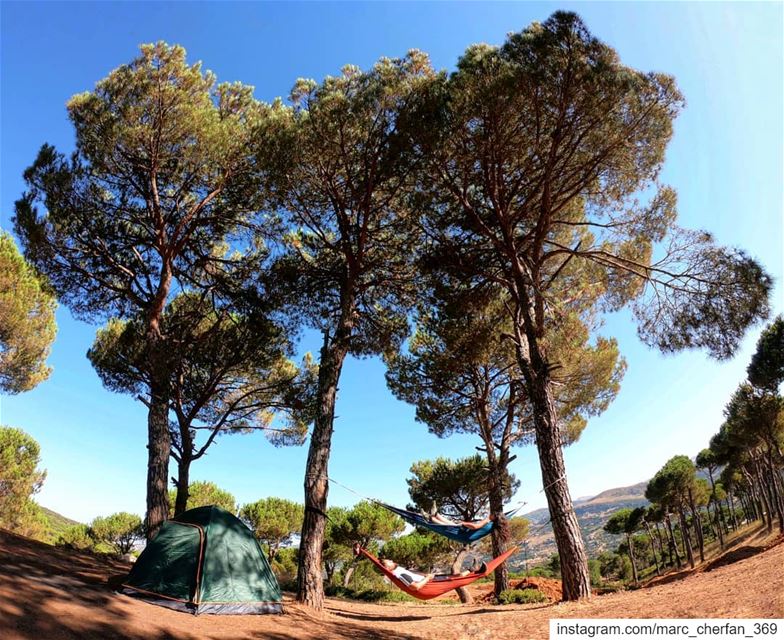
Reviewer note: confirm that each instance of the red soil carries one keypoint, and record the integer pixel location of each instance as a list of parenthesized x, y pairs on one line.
[(49, 594)]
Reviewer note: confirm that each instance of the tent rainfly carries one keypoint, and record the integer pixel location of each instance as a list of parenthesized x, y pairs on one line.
[(205, 561)]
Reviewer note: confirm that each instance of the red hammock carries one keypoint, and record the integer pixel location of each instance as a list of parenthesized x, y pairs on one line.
[(435, 588)]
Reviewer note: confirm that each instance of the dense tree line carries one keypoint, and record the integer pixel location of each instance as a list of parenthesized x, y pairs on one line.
[(503, 208), (744, 464), (750, 442)]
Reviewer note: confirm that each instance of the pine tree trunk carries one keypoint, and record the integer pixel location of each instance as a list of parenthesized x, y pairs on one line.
[(457, 567), (576, 579), (731, 509), (673, 545), (310, 585), (500, 543), (158, 435), (697, 526), (718, 522), (685, 535), (747, 512), (349, 574), (767, 509), (731, 515), (632, 558), (700, 533), (183, 481), (566, 528), (725, 520), (499, 535), (158, 451), (653, 547), (661, 546), (777, 497), (329, 567), (716, 508), (753, 511)]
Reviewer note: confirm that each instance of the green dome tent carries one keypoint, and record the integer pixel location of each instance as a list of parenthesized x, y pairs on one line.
[(205, 561)]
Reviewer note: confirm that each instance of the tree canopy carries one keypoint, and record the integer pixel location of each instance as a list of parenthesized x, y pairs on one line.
[(203, 493), (342, 158), (766, 369), (27, 323), (121, 530), (505, 208), (542, 183), (418, 549), (162, 182), (457, 488), (229, 373), (20, 476), (670, 485), (274, 521)]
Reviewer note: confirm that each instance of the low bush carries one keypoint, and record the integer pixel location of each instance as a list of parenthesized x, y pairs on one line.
[(368, 595), (522, 596), (541, 572), (76, 537)]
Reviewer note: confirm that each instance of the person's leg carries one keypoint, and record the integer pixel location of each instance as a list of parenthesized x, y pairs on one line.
[(439, 519), (416, 586), (475, 525)]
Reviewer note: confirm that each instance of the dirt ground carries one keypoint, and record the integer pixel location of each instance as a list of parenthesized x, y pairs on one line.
[(49, 594)]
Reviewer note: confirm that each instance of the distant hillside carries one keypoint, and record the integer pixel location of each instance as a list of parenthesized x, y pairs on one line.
[(592, 513), (56, 524), (634, 492)]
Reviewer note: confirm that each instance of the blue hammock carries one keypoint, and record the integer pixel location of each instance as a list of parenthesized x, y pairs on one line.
[(460, 534)]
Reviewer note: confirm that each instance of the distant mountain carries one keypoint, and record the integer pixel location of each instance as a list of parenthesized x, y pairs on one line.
[(633, 492), (592, 513), (56, 523)]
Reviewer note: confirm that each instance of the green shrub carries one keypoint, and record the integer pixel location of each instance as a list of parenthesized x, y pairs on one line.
[(383, 595), (288, 585), (368, 595), (522, 596), (76, 537), (364, 578), (284, 565), (120, 531), (595, 571), (336, 591)]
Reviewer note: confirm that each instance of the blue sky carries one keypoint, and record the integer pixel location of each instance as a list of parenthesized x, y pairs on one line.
[(725, 162)]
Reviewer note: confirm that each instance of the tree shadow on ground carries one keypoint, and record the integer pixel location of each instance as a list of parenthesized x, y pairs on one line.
[(731, 553), (52, 594), (733, 556), (505, 610), (42, 587), (371, 617)]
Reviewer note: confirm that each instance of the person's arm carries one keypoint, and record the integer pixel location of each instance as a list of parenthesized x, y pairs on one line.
[(476, 525), (414, 580)]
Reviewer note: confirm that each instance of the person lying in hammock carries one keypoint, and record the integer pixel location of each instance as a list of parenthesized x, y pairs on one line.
[(436, 518), (415, 580)]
